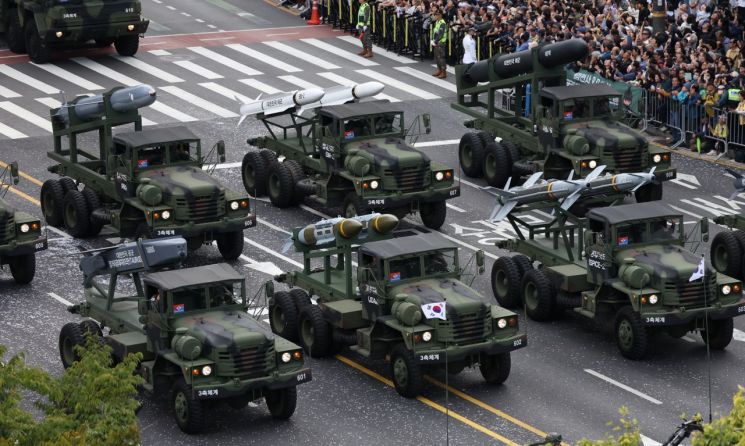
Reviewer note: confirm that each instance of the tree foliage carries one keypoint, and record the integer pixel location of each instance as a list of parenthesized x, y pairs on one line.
[(624, 433), (728, 430)]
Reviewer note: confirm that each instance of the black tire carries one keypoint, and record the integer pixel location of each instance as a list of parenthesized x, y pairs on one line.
[(433, 214), (298, 175), (104, 42), (92, 327), (471, 154), (14, 35), (314, 332), (269, 157), (127, 45), (631, 335), (649, 192), (300, 298), (93, 202), (496, 165), (230, 244), (353, 205), (506, 282), (38, 50), (283, 316), (524, 264), (406, 372), (513, 150), (539, 295), (23, 268), (485, 138), (70, 336), (495, 368), (52, 197), (281, 402), (188, 411), (726, 254), (76, 215), (254, 170), (720, 333), (280, 185), (740, 236), (67, 184)]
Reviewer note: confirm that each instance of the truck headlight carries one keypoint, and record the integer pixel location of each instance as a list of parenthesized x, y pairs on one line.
[(427, 336), (374, 184), (657, 158), (206, 370), (234, 205), (166, 214), (653, 299), (726, 289), (130, 27), (593, 164), (25, 228), (59, 34), (439, 176), (286, 357), (501, 323)]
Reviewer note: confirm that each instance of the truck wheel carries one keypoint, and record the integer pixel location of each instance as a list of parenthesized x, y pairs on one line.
[(38, 50), (254, 171), (720, 333), (230, 244), (300, 298), (103, 43), (726, 254), (631, 334), (496, 165), (14, 36), (281, 402), (269, 157), (70, 336), (433, 214), (93, 202), (52, 197), (515, 156), (188, 410), (68, 184), (298, 175), (406, 372), (740, 236), (539, 295), (90, 326), (283, 316), (315, 332), (127, 45), (76, 214), (524, 264), (23, 268), (649, 192), (280, 185), (471, 154), (506, 282), (354, 206), (495, 368)]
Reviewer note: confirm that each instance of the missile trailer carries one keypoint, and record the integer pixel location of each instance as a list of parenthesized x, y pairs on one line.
[(378, 307), (38, 27), (623, 266), (145, 183), (20, 233), (191, 327), (551, 127)]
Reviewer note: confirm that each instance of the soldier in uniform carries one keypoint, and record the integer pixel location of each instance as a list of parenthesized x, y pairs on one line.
[(363, 25), (439, 41)]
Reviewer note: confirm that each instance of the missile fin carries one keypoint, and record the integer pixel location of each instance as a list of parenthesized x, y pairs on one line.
[(288, 244), (733, 173), (571, 175), (500, 211), (595, 173), (571, 199), (531, 180), (651, 171), (507, 184)]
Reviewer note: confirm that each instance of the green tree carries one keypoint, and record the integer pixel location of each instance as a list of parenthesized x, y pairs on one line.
[(624, 433), (728, 430)]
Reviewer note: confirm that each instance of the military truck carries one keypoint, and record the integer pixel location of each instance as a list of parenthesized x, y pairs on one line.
[(404, 301), (39, 26), (352, 154), (550, 127), (144, 183), (623, 266), (20, 233), (191, 327)]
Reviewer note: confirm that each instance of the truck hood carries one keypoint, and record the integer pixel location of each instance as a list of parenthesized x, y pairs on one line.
[(390, 153), (457, 294), (183, 181), (605, 133), (668, 262), (225, 330)]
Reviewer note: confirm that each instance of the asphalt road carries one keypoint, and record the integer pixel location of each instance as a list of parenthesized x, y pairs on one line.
[(566, 380)]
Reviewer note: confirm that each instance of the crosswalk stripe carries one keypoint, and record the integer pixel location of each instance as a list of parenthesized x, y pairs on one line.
[(302, 83), (378, 51), (339, 52), (149, 69), (26, 115), (333, 77), (49, 102), (28, 80), (60, 72), (250, 52), (199, 102), (8, 93), (301, 55), (227, 92), (228, 62), (197, 69), (427, 78), (261, 86), (171, 112), (398, 84), (11, 132), (159, 53), (106, 71), (450, 70)]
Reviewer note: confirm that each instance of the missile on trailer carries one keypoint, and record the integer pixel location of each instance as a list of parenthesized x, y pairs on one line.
[(739, 183), (121, 99), (609, 184), (279, 102), (325, 231), (342, 94)]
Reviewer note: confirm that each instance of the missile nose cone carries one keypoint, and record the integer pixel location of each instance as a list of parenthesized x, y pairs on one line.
[(367, 89), (308, 96), (307, 236), (349, 227), (383, 224)]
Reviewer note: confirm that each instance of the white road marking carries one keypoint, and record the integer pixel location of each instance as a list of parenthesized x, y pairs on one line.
[(171, 8), (445, 142), (227, 92), (273, 226), (49, 102), (623, 386), (186, 14), (738, 335), (734, 204), (217, 38), (273, 252), (333, 77), (336, 51), (58, 231), (59, 299), (258, 85), (378, 51), (197, 69), (60, 72), (454, 207), (450, 70), (728, 210), (250, 52), (199, 102), (228, 62), (706, 208), (199, 20), (159, 53), (149, 69), (211, 26), (686, 180), (11, 132), (646, 441), (222, 166), (449, 86), (106, 71), (28, 80), (172, 112), (305, 57), (302, 83), (8, 93), (688, 339), (395, 83), (685, 211), (26, 115), (266, 268)]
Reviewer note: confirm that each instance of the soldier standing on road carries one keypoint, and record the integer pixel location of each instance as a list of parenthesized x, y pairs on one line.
[(363, 24), (439, 40)]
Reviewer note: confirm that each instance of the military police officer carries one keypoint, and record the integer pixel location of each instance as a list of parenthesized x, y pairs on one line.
[(439, 41), (363, 25)]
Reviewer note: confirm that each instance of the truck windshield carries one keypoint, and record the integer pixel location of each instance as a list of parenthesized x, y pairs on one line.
[(181, 152), (150, 157), (601, 107), (388, 124), (183, 301), (355, 128), (440, 262), (406, 268), (659, 230)]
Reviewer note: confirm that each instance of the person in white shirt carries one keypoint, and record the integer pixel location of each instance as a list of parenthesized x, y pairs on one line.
[(469, 46)]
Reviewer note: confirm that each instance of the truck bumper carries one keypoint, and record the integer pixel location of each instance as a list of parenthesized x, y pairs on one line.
[(208, 229), (224, 389), (16, 248), (396, 200), (684, 317), (666, 174), (454, 353), (81, 33)]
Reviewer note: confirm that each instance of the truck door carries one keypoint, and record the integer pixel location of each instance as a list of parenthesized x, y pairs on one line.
[(546, 128), (597, 254), (368, 274), (119, 165), (154, 325)]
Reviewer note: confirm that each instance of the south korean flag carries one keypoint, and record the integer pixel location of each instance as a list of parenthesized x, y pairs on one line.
[(699, 273), (434, 310)]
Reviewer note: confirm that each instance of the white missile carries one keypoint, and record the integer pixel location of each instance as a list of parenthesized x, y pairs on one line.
[(279, 102), (342, 94), (739, 183), (121, 100), (609, 184)]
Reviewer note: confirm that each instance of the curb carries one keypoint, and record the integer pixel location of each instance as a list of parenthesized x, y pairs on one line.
[(278, 4), (707, 158)]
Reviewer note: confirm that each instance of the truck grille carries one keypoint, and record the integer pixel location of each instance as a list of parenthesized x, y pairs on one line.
[(246, 363), (691, 294), (407, 178), (464, 329), (7, 228), (203, 207), (106, 12), (624, 160)]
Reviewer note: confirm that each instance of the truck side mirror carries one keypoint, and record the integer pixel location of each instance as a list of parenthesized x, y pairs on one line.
[(480, 261), (142, 307), (427, 122), (221, 150), (705, 229), (14, 172), (269, 289)]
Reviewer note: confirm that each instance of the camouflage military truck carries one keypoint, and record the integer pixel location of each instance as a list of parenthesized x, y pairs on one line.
[(355, 155), (191, 326), (405, 300), (547, 126), (20, 233), (622, 266), (145, 183), (40, 26)]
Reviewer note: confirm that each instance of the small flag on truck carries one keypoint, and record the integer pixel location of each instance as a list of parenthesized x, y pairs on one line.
[(699, 273), (434, 310)]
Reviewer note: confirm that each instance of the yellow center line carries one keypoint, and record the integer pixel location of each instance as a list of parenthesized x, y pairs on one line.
[(428, 402), (24, 175), (24, 195)]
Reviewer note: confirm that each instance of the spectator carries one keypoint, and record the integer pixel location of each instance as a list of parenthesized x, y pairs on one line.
[(469, 46)]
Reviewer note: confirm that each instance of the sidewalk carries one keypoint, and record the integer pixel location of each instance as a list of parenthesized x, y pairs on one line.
[(662, 139)]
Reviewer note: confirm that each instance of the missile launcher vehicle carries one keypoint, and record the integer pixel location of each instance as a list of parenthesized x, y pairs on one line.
[(349, 154), (144, 183), (405, 301), (622, 266), (38, 27), (191, 327), (20, 233), (728, 247), (550, 127)]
